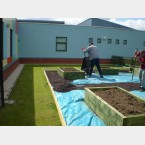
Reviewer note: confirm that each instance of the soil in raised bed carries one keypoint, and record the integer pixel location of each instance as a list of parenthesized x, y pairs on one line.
[(61, 85), (123, 102), (65, 69)]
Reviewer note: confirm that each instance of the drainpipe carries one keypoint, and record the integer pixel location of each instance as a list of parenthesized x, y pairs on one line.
[(1, 65)]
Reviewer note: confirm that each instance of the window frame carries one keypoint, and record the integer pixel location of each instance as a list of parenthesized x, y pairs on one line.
[(109, 41), (125, 42), (65, 43), (117, 41), (90, 40), (99, 40)]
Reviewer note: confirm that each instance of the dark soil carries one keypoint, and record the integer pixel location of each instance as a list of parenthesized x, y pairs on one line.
[(126, 105), (123, 102), (69, 69), (61, 85)]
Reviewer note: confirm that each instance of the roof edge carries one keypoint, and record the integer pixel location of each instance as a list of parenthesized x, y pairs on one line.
[(42, 21)]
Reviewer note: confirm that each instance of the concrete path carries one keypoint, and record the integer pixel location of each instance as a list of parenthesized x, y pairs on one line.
[(11, 80)]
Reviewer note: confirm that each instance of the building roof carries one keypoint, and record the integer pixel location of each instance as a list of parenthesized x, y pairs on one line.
[(42, 21), (102, 23)]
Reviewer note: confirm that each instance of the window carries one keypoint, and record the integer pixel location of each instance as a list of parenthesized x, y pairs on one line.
[(99, 40), (109, 41), (117, 41), (61, 43), (90, 40), (124, 41), (144, 43)]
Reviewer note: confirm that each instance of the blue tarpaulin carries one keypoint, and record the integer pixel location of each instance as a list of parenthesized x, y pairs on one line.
[(139, 94), (72, 104), (75, 111), (95, 79)]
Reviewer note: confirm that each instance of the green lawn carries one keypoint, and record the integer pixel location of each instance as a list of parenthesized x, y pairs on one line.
[(34, 104)]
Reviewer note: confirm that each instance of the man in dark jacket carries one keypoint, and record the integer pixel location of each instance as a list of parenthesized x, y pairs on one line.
[(94, 58)]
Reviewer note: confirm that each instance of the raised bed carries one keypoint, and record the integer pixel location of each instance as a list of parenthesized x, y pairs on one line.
[(136, 71), (116, 106), (122, 69), (109, 71), (70, 73)]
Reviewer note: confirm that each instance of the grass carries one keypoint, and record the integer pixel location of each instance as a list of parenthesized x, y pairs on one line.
[(34, 104)]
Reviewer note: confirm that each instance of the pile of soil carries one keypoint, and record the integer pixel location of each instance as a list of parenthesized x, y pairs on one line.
[(65, 69), (61, 85), (126, 105), (123, 102), (58, 83)]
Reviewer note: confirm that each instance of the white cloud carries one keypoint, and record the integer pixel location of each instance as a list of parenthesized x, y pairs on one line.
[(71, 21), (68, 21), (138, 24)]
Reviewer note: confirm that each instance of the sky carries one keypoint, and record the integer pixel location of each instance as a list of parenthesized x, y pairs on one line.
[(136, 23)]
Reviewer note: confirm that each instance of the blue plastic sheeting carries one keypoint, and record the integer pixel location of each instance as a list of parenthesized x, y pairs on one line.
[(72, 104), (75, 111), (95, 79), (139, 94)]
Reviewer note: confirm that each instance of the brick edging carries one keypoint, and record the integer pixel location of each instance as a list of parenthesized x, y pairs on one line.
[(10, 69), (57, 61)]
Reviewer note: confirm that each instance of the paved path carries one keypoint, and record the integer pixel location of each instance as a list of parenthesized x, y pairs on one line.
[(11, 80)]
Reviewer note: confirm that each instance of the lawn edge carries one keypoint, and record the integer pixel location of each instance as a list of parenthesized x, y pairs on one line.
[(56, 102)]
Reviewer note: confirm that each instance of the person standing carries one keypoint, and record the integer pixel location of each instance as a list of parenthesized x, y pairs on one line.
[(94, 58), (141, 57), (133, 60)]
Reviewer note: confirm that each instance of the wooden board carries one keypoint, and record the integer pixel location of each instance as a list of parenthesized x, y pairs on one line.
[(109, 114), (71, 75)]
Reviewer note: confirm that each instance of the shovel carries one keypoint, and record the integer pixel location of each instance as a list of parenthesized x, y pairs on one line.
[(133, 68)]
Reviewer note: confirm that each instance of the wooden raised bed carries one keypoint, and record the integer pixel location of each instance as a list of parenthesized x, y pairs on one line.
[(109, 71), (111, 115), (71, 73), (136, 71)]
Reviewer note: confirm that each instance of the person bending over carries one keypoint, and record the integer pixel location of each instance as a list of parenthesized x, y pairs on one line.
[(94, 58)]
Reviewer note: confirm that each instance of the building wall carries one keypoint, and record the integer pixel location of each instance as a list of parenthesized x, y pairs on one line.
[(10, 60), (9, 24), (39, 40)]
